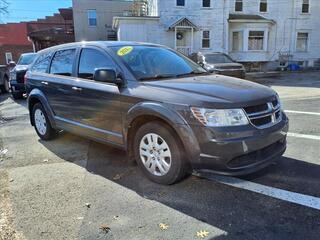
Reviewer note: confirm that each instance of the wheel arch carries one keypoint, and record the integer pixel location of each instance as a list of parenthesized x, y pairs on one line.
[(147, 112)]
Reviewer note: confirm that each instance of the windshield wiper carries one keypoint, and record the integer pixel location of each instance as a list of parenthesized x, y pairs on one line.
[(191, 73), (155, 77)]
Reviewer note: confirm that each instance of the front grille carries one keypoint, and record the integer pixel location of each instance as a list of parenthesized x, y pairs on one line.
[(261, 121), (256, 156), (257, 108), (20, 76), (264, 115), (275, 102)]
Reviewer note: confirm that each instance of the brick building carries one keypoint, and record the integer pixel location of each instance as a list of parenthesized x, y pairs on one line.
[(13, 41), (18, 38), (52, 30)]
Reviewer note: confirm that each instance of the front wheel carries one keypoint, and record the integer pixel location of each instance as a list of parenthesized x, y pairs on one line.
[(159, 153), (41, 123)]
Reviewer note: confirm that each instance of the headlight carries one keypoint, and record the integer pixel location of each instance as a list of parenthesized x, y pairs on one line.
[(220, 117)]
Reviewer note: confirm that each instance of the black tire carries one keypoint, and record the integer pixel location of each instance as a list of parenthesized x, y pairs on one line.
[(178, 168), (5, 87), (17, 95), (49, 132)]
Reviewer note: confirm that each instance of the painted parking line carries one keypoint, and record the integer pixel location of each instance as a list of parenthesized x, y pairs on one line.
[(301, 112), (293, 197), (299, 135)]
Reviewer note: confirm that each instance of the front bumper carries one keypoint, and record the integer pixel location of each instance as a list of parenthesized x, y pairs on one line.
[(17, 87), (239, 150)]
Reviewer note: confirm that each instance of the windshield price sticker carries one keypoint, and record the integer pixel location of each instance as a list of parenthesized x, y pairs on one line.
[(124, 50)]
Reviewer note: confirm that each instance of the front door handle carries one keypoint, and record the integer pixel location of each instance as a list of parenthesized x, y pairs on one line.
[(44, 83), (77, 89)]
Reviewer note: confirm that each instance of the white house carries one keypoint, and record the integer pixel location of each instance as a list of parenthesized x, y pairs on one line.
[(260, 33)]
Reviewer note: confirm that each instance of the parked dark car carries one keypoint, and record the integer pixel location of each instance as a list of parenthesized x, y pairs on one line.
[(219, 63), (4, 79), (167, 112), (17, 75)]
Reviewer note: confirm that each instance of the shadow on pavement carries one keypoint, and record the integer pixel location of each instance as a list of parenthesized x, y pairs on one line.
[(6, 96), (242, 214)]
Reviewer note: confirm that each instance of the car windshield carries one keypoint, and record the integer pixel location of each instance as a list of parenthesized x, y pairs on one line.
[(217, 58), (151, 62), (26, 59)]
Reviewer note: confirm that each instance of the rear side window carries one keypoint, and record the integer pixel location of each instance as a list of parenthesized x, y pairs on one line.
[(42, 63), (90, 59), (62, 62)]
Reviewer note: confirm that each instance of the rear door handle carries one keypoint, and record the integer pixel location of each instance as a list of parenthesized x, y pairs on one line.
[(44, 83), (77, 89)]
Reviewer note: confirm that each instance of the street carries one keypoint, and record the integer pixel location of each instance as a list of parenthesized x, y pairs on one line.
[(74, 188)]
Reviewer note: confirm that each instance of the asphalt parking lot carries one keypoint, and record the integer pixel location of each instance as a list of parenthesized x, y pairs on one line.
[(73, 188)]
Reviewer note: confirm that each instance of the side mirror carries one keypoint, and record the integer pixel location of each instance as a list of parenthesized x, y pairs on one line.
[(107, 75)]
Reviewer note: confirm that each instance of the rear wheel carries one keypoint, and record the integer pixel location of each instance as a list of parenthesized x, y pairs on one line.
[(159, 153), (41, 123), (5, 87)]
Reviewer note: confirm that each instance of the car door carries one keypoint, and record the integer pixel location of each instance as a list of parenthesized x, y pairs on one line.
[(59, 85), (96, 105)]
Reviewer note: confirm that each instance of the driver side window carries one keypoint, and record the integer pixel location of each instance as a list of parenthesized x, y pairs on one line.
[(90, 59)]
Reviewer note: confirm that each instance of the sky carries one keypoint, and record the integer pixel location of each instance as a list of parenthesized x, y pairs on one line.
[(27, 10)]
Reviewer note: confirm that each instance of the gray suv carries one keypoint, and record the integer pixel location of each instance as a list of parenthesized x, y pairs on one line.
[(167, 112)]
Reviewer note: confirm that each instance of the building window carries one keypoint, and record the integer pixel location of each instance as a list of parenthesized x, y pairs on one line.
[(206, 3), (180, 3), (237, 41), (263, 6), (238, 6), (255, 41), (205, 39), (92, 18), (302, 42), (305, 6), (8, 57)]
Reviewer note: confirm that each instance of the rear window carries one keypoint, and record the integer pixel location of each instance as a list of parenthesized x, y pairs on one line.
[(42, 63), (62, 62)]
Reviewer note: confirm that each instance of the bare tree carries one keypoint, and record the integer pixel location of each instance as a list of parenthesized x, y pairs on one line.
[(3, 6)]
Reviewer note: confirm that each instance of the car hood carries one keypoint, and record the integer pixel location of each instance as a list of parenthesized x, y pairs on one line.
[(20, 68), (216, 89), (225, 65)]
